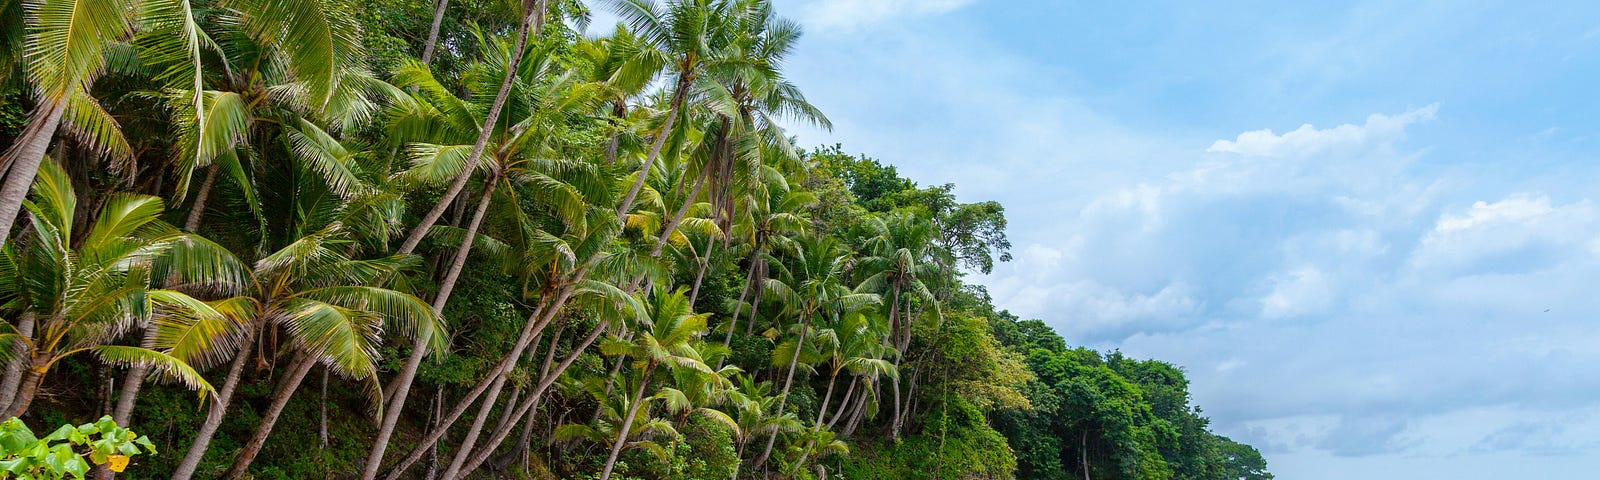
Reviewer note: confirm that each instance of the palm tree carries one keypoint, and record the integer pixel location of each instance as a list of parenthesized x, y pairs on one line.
[(518, 150), (77, 293), (814, 286), (321, 298), (687, 36), (669, 324), (854, 345), (751, 405), (775, 217), (901, 252)]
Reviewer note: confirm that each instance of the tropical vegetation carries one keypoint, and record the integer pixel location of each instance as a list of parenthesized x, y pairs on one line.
[(403, 239)]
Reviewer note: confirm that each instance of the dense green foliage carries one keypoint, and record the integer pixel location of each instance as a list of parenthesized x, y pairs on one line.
[(504, 249)]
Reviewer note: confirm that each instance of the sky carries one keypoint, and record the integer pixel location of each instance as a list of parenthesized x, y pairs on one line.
[(1368, 231)]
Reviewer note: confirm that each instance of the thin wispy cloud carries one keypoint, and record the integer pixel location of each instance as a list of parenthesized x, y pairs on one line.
[(855, 14)]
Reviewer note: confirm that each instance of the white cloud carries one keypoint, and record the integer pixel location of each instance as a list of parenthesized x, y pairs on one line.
[(1308, 140), (849, 14), (1302, 291)]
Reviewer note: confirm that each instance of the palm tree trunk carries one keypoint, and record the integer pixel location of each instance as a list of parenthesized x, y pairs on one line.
[(31, 378), (322, 418), (749, 278), (627, 421), (655, 149), (202, 440), (619, 111), (433, 31), (199, 208), (844, 403), (694, 292), (433, 421), (827, 397), (1083, 449), (135, 379), (419, 347), (755, 303), (677, 217), (535, 21), (13, 375), (531, 405), (25, 158), (490, 385), (280, 399), (788, 382)]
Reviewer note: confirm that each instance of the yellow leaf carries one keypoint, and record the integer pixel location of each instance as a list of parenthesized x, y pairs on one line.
[(118, 462)]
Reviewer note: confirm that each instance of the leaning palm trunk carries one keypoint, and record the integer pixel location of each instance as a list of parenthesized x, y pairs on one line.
[(705, 263), (535, 21), (199, 209), (134, 380), (202, 441), (491, 384), (419, 347), (280, 399), (531, 405), (627, 421), (433, 31), (788, 382), (655, 149), (683, 210), (29, 151), (844, 403), (13, 375)]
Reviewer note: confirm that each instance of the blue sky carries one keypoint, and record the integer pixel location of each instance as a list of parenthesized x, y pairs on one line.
[(1368, 230)]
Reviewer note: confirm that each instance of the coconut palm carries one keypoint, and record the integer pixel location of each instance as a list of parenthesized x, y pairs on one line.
[(320, 297), (751, 405), (78, 292), (812, 287), (669, 325)]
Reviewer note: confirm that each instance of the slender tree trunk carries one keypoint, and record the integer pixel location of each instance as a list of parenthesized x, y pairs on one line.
[(280, 399), (1083, 448), (894, 420), (322, 418), (419, 348), (198, 210), (733, 321), (433, 31), (13, 375), (25, 157), (827, 397), (755, 303), (694, 292), (619, 111), (31, 378), (532, 403), (788, 381), (535, 21), (197, 449), (739, 456), (677, 217), (433, 422), (655, 150), (135, 379), (844, 403), (490, 384), (627, 421)]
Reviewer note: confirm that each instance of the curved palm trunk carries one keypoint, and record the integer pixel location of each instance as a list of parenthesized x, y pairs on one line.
[(627, 422), (844, 403), (655, 149), (134, 380), (733, 321), (31, 378), (535, 21), (826, 398), (433, 31), (755, 304), (419, 347), (490, 384), (202, 440), (619, 111), (280, 398), (198, 210), (13, 375), (683, 210), (29, 151), (694, 292), (788, 382), (530, 406)]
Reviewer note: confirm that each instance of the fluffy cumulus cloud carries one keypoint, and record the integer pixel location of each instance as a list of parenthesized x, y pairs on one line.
[(852, 14), (1330, 299)]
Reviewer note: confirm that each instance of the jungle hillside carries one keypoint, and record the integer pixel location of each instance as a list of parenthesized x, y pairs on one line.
[(386, 239)]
